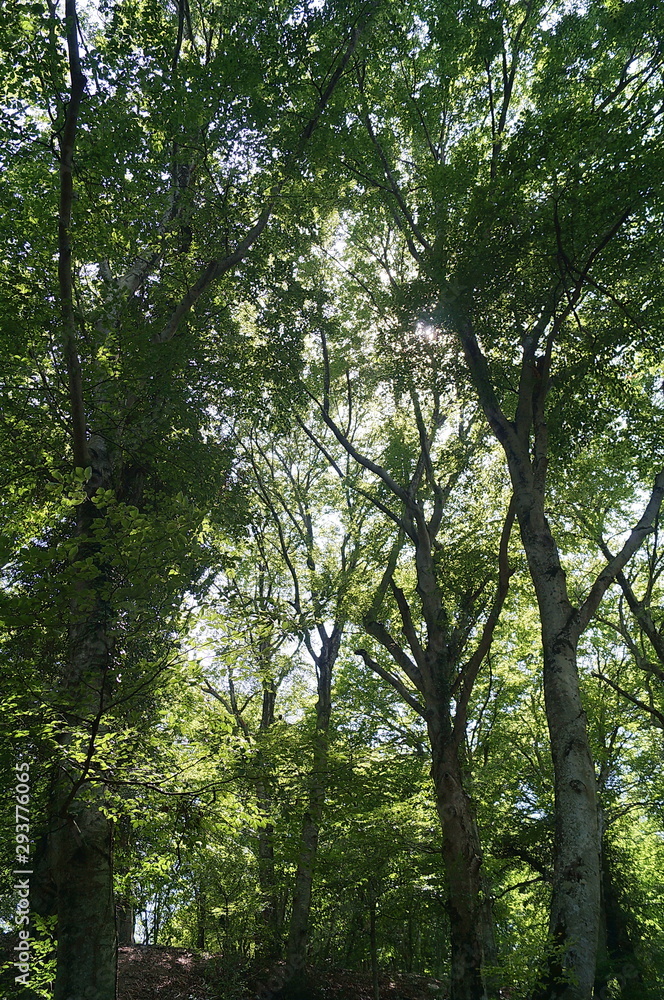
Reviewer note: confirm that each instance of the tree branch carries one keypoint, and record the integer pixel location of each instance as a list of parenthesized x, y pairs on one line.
[(412, 672), (407, 620), (65, 276), (650, 709), (640, 612), (470, 670), (222, 265), (615, 565), (392, 679)]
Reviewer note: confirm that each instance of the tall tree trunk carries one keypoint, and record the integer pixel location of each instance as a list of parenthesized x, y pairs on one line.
[(124, 919), (410, 941), (487, 925), (434, 669), (81, 865), (298, 931), (575, 902), (81, 835), (201, 917), (270, 923), (125, 915), (82, 852), (80, 846), (270, 930), (373, 947), (462, 859)]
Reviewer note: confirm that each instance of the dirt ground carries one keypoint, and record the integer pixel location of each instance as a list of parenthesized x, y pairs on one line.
[(147, 973), (144, 973)]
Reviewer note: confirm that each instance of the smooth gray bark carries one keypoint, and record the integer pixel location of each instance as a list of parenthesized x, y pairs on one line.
[(574, 916), (575, 903)]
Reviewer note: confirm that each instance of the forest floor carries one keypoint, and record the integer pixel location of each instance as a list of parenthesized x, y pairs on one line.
[(148, 973)]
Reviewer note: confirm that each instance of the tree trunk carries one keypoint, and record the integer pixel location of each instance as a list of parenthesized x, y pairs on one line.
[(410, 942), (373, 947), (270, 923), (125, 915), (574, 913), (82, 850), (298, 931), (487, 927), (575, 901), (81, 836), (201, 918), (270, 931), (124, 919), (462, 859)]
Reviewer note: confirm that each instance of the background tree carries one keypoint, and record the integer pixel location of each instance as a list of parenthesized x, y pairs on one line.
[(150, 108), (519, 226), (421, 474)]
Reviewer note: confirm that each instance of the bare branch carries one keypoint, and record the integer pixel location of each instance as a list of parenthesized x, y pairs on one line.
[(392, 679), (412, 672), (399, 521), (615, 565), (650, 709), (362, 460), (408, 627), (470, 670), (638, 608)]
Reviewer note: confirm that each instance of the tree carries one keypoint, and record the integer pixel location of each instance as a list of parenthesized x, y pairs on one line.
[(520, 226), (292, 486), (427, 473), (487, 179), (208, 136)]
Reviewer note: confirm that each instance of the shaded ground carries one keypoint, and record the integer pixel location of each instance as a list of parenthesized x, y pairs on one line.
[(146, 973)]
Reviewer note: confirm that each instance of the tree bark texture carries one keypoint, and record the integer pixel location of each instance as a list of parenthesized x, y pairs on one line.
[(82, 852), (575, 902), (80, 839), (462, 859), (574, 913), (124, 919), (81, 835)]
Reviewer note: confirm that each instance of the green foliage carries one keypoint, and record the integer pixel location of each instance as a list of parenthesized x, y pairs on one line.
[(490, 161)]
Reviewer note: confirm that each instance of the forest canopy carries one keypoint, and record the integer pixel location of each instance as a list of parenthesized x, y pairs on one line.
[(333, 459)]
